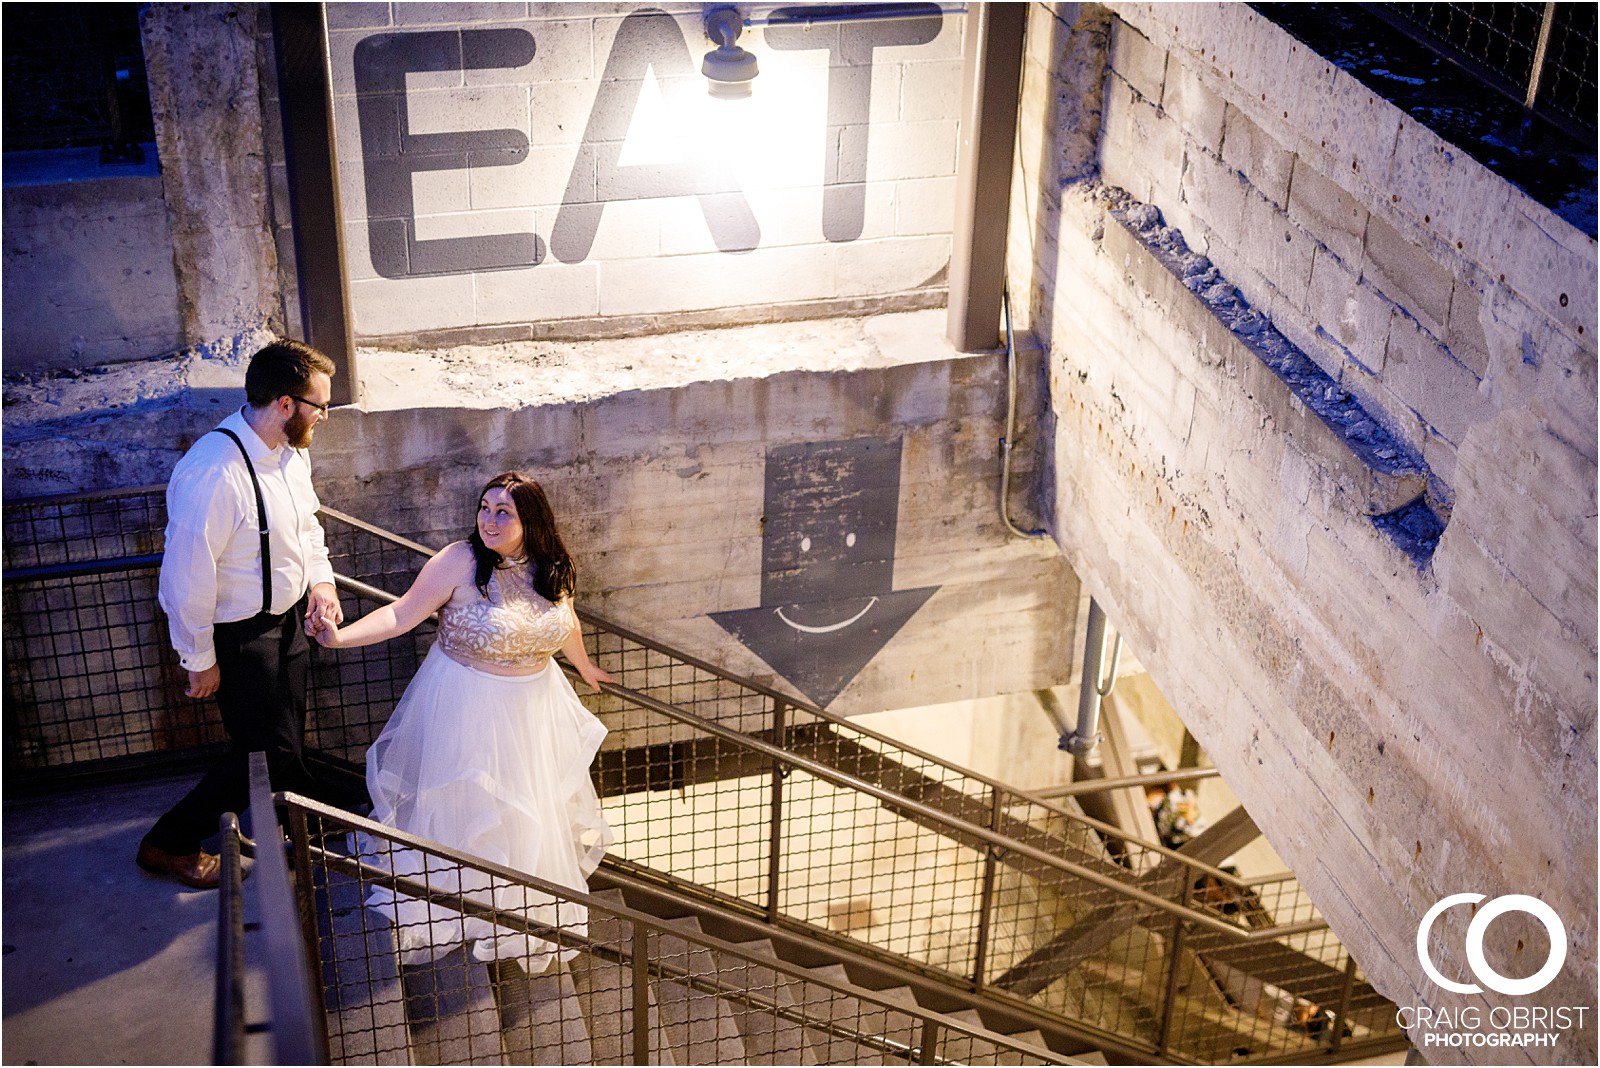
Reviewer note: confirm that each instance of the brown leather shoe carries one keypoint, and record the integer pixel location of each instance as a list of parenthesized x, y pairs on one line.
[(200, 870)]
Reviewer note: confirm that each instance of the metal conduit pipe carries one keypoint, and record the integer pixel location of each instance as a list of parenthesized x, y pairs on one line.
[(1093, 686), (1011, 420)]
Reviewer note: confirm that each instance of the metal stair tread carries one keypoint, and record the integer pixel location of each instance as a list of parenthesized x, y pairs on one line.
[(700, 1024)]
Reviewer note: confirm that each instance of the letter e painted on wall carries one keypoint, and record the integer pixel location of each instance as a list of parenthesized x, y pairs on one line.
[(391, 153)]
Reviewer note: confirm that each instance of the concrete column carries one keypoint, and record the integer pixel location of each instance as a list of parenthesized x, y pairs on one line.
[(206, 100), (983, 174)]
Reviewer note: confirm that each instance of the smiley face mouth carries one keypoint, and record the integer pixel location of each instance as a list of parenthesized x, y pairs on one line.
[(831, 627)]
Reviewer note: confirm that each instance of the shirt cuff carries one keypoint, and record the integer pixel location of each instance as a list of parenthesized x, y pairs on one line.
[(320, 575), (199, 660)]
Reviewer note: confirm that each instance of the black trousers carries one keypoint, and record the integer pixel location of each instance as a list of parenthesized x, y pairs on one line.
[(265, 661)]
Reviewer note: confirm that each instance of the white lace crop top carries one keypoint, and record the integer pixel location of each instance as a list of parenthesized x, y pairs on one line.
[(513, 626)]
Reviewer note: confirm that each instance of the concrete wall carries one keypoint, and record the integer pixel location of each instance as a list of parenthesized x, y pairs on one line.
[(666, 499), (88, 263), (1400, 732), (121, 263), (514, 171)]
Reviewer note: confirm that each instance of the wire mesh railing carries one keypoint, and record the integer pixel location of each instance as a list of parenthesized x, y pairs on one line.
[(90, 678), (1540, 54), (756, 802), (430, 956), (91, 681)]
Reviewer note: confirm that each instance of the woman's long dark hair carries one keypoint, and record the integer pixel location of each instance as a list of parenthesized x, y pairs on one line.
[(549, 563)]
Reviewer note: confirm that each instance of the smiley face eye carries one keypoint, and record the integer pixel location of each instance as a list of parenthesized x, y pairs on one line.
[(805, 545), (850, 539)]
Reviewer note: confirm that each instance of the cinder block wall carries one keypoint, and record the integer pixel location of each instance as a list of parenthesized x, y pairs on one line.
[(1400, 734), (546, 170), (660, 494)]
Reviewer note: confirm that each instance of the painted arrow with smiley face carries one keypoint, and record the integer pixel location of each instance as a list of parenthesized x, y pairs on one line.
[(827, 564)]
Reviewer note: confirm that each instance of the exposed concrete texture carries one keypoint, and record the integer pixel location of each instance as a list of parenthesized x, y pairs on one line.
[(88, 262), (104, 964), (654, 452), (206, 101), (660, 494), (1414, 227), (535, 373), (1401, 734), (124, 424)]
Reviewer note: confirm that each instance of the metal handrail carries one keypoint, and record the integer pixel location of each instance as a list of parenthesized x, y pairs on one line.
[(888, 797), (566, 939), (754, 685), (228, 1026), (1043, 800), (1095, 786), (297, 1023), (86, 495), (992, 838), (795, 704), (356, 586), (143, 562)]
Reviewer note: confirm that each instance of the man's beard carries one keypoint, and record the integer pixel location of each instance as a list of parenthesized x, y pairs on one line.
[(298, 430)]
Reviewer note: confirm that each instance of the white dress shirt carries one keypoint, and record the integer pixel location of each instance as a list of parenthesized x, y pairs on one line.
[(211, 570)]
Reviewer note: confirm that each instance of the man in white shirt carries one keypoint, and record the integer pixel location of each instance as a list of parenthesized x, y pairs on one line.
[(238, 593)]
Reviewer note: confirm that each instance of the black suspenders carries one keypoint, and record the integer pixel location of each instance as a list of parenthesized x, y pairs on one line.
[(261, 523)]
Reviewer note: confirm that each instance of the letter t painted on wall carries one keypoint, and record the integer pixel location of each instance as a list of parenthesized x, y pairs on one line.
[(850, 48)]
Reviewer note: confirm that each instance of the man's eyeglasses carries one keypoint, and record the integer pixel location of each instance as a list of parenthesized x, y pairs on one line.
[(323, 408)]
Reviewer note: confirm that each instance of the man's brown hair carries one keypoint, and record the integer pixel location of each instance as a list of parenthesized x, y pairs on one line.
[(283, 369)]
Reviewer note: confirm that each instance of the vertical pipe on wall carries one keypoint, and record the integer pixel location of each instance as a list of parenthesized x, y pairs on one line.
[(305, 96), (1083, 738), (993, 75)]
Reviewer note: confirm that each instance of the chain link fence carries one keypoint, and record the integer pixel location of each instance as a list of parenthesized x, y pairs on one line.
[(1541, 54), (75, 77)]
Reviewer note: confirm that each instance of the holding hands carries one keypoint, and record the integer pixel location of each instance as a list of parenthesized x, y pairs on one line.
[(324, 613), (325, 632)]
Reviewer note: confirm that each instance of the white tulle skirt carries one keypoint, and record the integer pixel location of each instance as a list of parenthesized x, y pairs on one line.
[(495, 766)]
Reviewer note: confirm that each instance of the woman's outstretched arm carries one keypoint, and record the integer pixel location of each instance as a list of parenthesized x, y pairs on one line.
[(449, 568), (578, 656)]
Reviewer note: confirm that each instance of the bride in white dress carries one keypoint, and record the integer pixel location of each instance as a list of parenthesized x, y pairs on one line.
[(489, 749)]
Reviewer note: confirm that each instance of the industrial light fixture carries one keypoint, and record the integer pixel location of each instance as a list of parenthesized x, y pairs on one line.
[(729, 69)]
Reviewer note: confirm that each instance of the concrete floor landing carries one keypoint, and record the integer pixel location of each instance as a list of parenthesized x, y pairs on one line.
[(103, 963)]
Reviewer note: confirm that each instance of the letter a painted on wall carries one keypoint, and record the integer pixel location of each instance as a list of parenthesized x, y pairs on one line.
[(647, 41), (827, 564), (391, 153)]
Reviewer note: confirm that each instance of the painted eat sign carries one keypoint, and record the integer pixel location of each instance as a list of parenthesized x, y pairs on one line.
[(645, 41)]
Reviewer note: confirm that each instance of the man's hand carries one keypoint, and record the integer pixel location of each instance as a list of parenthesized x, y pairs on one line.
[(204, 683), (323, 608)]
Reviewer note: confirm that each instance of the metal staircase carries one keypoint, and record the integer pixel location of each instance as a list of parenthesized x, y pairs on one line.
[(631, 984), (952, 917)]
